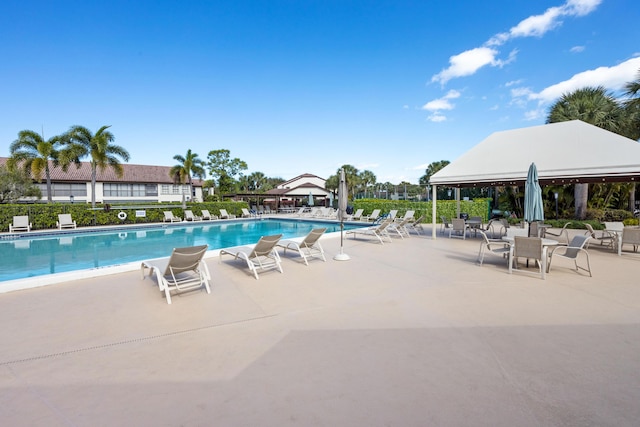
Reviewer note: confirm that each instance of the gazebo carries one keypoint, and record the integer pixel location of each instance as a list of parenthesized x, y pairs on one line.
[(565, 153)]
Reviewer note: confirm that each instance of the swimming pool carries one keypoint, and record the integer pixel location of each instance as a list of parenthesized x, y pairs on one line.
[(57, 252)]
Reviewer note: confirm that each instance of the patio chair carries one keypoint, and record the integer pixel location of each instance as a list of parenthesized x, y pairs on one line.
[(20, 223), (630, 236), (225, 215), (445, 224), (260, 257), (372, 217), (189, 216), (169, 217), (183, 270), (393, 213), (65, 221), (378, 231), (603, 237), (458, 228), (308, 247), (495, 246), (204, 213), (560, 233), (529, 248), (575, 248)]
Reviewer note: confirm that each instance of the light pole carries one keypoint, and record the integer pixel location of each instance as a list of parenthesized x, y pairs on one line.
[(555, 196)]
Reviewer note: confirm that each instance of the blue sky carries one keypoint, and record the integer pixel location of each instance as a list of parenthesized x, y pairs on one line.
[(296, 87)]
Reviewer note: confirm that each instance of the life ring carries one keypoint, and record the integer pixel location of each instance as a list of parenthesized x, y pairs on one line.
[(122, 215)]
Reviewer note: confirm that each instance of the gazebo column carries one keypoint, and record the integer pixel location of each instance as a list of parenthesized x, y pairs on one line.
[(433, 212)]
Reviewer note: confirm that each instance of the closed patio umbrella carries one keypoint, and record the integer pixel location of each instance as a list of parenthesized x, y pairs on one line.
[(533, 207), (310, 202), (342, 213)]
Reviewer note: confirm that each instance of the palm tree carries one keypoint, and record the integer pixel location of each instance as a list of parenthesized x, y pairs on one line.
[(367, 178), (257, 180), (351, 176), (99, 148), (189, 166), (632, 107), (592, 105), (33, 153)]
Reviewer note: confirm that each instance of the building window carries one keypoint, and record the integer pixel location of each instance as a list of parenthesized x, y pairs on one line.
[(64, 189), (168, 189), (130, 190)]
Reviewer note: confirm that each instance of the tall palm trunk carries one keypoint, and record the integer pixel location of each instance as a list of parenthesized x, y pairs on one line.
[(93, 185), (48, 178), (632, 197), (581, 196)]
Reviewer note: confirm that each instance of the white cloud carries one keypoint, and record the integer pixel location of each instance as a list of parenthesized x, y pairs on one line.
[(466, 64), (520, 91), (577, 49), (437, 118), (513, 83), (613, 78), (470, 61), (442, 103), (534, 114)]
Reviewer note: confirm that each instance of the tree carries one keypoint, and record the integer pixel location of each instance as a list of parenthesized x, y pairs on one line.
[(223, 168), (33, 153), (257, 181), (632, 108), (188, 167), (15, 184), (432, 169), (592, 105), (366, 179), (100, 150)]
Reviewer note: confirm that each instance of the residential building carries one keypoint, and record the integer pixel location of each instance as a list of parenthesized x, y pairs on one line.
[(138, 184)]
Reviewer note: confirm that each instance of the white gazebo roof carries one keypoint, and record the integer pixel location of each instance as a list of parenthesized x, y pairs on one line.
[(564, 153)]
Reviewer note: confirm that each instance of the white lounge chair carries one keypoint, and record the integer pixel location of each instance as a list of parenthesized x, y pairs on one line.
[(20, 223), (183, 270), (378, 231), (169, 217), (400, 228), (262, 256), (393, 213), (308, 247), (357, 216), (206, 215), (225, 215), (415, 225), (189, 216), (246, 213), (407, 215), (374, 216), (65, 221)]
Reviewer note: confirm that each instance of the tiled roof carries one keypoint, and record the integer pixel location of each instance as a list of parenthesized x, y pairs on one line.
[(131, 173)]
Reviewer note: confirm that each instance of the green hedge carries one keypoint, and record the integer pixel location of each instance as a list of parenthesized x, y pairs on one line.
[(44, 216), (446, 208)]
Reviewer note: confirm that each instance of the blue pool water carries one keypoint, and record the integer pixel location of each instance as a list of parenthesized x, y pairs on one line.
[(70, 251)]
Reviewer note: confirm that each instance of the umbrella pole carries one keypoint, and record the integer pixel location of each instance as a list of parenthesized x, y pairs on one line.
[(341, 256)]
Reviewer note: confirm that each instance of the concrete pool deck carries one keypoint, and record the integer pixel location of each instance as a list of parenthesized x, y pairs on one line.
[(410, 333)]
